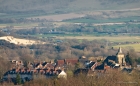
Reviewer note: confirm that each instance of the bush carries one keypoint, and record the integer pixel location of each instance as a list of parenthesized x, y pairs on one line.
[(113, 78)]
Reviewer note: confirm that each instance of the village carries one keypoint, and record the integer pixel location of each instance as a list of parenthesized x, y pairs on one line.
[(58, 69)]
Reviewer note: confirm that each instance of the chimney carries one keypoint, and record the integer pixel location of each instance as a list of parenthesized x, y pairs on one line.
[(64, 60)]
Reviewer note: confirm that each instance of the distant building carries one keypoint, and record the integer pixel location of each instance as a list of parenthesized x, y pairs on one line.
[(118, 60), (33, 71), (11, 75), (62, 74), (65, 62)]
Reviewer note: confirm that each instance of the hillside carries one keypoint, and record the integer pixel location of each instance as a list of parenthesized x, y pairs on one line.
[(18, 41), (63, 6)]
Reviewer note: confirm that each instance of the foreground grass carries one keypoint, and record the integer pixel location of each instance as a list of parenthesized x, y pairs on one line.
[(114, 78)]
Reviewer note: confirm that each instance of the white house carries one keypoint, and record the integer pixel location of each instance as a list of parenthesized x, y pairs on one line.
[(62, 74)]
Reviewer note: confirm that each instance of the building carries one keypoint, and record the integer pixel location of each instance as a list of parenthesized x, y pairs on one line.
[(117, 60), (62, 74), (120, 57), (35, 70)]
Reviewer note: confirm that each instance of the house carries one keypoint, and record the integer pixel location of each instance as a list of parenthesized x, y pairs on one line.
[(27, 74), (11, 75), (34, 71), (44, 65), (49, 65), (62, 74), (100, 67), (17, 63), (38, 66), (92, 65), (71, 61), (65, 62), (128, 70), (83, 60), (83, 71), (60, 63)]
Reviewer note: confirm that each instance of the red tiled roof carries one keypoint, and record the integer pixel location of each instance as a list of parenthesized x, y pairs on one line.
[(50, 65), (67, 61), (71, 61), (60, 62)]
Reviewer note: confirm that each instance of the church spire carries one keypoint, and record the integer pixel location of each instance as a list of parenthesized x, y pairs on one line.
[(120, 50), (120, 57)]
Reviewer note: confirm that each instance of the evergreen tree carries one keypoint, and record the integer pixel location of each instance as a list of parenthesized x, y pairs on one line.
[(138, 60), (18, 79), (128, 59), (78, 65)]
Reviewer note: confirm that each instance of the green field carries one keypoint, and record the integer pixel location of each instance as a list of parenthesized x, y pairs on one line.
[(77, 36), (111, 39), (118, 39), (109, 20), (135, 46), (20, 15), (20, 25)]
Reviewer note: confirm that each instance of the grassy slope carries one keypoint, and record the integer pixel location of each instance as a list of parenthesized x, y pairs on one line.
[(112, 20), (135, 46), (112, 39), (20, 25)]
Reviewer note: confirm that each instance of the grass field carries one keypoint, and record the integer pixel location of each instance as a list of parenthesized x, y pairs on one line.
[(118, 39), (60, 17), (92, 37), (111, 20), (20, 25), (135, 46), (20, 15), (112, 39)]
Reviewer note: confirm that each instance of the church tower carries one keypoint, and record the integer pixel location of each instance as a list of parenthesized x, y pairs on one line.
[(120, 57)]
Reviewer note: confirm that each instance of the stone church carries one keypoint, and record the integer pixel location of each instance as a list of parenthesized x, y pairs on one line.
[(116, 60)]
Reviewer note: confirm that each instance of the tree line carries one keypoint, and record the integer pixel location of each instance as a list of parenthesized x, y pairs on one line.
[(82, 29)]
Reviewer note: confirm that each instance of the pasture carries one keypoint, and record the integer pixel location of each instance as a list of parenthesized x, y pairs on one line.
[(109, 38), (19, 25), (125, 46), (108, 20)]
